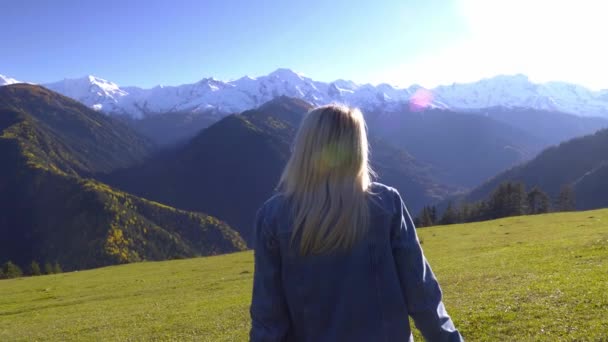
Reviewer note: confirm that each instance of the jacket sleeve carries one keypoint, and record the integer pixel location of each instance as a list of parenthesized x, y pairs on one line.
[(269, 316), (420, 288)]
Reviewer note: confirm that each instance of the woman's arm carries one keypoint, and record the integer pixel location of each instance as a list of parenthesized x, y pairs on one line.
[(269, 316), (420, 287)]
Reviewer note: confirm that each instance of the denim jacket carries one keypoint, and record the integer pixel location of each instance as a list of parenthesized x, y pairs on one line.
[(365, 294)]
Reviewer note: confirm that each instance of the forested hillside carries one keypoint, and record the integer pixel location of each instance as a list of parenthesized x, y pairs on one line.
[(50, 213)]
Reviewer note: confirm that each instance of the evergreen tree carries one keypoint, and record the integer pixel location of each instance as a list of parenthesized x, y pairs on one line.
[(509, 199), (484, 211), (11, 270), (499, 201), (479, 211), (57, 268), (48, 268), (34, 268), (517, 200), (538, 201), (433, 214), (450, 216), (465, 212), (566, 200), (425, 217)]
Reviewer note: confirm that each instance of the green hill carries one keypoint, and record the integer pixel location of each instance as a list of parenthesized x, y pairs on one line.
[(49, 213), (536, 278)]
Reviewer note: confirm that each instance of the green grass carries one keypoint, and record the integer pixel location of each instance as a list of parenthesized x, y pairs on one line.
[(536, 278)]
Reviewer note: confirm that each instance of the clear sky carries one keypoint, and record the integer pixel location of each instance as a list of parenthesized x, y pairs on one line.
[(430, 42)]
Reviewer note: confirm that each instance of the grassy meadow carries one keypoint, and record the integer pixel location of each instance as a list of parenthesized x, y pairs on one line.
[(534, 278)]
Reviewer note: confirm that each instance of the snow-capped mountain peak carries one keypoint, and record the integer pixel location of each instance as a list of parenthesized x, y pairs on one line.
[(286, 74), (5, 80), (93, 91), (106, 86), (518, 91)]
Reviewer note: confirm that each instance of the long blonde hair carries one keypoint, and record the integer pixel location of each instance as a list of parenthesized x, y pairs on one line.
[(327, 179)]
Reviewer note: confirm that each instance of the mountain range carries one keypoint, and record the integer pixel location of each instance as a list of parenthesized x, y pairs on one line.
[(209, 94), (86, 189), (514, 117)]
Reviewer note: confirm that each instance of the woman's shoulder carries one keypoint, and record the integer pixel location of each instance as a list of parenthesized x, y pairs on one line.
[(384, 196), (272, 206), (377, 187), (274, 201)]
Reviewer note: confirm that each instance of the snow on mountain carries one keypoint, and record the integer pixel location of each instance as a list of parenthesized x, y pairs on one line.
[(95, 92), (227, 97), (519, 91), (5, 80), (247, 92)]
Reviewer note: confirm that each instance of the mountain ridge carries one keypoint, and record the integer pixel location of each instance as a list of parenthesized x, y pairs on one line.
[(510, 91)]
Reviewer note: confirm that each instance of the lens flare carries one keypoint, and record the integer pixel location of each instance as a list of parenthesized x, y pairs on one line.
[(331, 157), (421, 99)]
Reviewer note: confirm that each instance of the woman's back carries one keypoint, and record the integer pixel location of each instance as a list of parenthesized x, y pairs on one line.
[(363, 294), (336, 256)]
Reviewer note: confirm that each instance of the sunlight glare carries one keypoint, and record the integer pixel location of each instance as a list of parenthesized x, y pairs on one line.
[(545, 40), (420, 100)]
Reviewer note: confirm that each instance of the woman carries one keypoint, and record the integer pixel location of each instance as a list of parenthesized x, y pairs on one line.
[(336, 256)]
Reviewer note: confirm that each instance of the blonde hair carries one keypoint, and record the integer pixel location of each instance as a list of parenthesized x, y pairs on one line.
[(327, 179)]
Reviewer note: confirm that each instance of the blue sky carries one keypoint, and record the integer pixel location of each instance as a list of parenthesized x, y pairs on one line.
[(401, 42)]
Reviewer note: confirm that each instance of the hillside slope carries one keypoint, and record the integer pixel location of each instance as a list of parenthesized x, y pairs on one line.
[(536, 278), (78, 139), (580, 162), (50, 214)]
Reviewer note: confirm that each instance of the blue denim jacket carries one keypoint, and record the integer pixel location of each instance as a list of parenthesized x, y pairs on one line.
[(365, 294)]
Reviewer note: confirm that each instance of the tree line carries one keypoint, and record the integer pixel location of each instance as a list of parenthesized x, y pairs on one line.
[(508, 199), (11, 270)]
